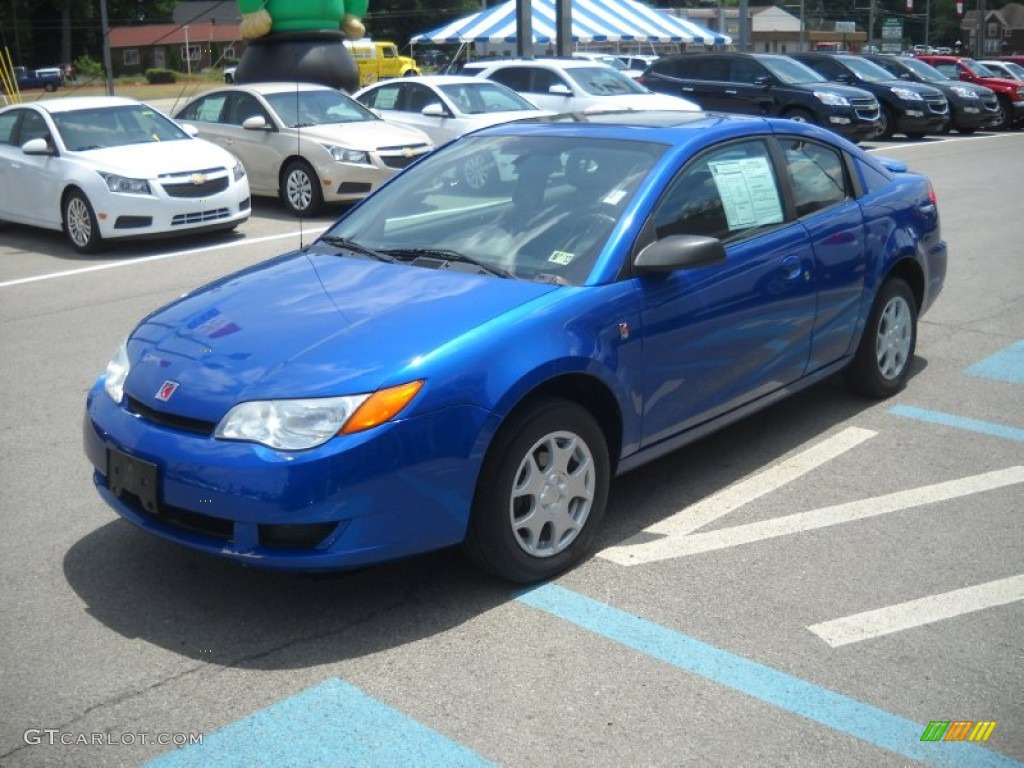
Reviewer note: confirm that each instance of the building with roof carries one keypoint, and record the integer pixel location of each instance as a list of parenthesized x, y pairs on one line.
[(182, 47), (1002, 33)]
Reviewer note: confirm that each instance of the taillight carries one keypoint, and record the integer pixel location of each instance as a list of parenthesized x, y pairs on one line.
[(931, 194)]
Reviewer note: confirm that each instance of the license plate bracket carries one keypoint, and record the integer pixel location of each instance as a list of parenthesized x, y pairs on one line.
[(129, 475)]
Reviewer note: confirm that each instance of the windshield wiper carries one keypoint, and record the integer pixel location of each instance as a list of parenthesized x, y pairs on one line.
[(447, 255), (352, 245)]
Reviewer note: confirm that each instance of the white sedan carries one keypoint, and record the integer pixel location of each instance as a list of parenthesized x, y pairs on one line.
[(446, 106), (105, 167), (308, 144)]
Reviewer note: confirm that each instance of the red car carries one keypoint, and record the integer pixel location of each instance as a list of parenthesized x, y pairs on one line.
[(1010, 92)]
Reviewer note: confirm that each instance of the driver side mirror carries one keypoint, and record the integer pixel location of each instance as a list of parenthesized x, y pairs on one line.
[(255, 123), (560, 90), (679, 252), (37, 147), (434, 109)]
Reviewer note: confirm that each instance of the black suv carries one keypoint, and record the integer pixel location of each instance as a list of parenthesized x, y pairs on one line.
[(913, 109), (970, 106), (765, 84)]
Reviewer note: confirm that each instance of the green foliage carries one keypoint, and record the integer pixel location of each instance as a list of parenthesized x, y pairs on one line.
[(156, 76), (88, 67)]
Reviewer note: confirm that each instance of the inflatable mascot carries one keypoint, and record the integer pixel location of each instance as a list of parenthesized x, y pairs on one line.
[(301, 41)]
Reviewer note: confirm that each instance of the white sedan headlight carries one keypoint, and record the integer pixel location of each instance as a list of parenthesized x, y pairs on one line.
[(117, 372), (238, 171), (344, 155), (123, 184), (831, 99)]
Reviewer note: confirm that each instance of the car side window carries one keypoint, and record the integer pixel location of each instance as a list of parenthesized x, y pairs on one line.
[(33, 126), (817, 173), (7, 121), (242, 107), (385, 97), (417, 97), (207, 110), (744, 71), (711, 68), (949, 70), (516, 78), (725, 193), (827, 69), (679, 67), (544, 79)]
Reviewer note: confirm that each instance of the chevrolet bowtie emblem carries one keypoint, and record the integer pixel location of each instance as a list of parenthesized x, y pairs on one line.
[(408, 152), (198, 178)]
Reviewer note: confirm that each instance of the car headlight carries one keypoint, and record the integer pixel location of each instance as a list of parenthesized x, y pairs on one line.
[(344, 155), (906, 94), (238, 171), (117, 372), (294, 425), (123, 184), (831, 99), (965, 93)]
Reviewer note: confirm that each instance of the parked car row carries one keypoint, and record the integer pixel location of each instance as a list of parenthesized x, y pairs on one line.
[(857, 96)]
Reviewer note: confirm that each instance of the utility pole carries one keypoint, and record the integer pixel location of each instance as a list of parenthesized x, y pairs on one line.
[(871, 24), (803, 26), (744, 25), (524, 28), (107, 66)]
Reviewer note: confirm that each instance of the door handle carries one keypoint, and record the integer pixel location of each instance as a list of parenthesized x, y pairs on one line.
[(792, 268)]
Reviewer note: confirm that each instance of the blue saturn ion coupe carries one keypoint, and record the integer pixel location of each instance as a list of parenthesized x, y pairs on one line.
[(449, 365)]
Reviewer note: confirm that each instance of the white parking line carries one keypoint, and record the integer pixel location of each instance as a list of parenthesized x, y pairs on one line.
[(915, 613), (158, 257), (717, 505), (680, 546)]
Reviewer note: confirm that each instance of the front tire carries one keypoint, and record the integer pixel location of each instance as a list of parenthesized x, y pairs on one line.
[(80, 225), (881, 366), (480, 171), (798, 115), (541, 494), (300, 189), (888, 123)]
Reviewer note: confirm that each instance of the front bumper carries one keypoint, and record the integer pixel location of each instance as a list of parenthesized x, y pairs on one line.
[(396, 490), (348, 182), (159, 214)]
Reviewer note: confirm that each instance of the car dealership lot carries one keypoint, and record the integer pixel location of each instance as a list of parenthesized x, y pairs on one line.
[(722, 650)]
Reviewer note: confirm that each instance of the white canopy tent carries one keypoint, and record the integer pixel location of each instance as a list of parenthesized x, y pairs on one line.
[(593, 21)]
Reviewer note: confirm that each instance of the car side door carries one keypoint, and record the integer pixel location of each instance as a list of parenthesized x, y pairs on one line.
[(34, 181), (717, 337), (825, 202), (750, 91)]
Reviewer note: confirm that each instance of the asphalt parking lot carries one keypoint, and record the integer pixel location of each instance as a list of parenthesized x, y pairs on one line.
[(815, 586)]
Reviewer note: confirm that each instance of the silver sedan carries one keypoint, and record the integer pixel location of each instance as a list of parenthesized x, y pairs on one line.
[(308, 144)]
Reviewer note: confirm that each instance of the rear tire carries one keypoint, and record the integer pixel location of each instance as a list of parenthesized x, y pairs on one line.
[(541, 494), (881, 366)]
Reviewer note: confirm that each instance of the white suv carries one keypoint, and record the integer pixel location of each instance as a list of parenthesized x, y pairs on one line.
[(574, 85)]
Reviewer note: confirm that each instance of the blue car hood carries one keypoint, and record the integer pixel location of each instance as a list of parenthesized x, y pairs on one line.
[(306, 325)]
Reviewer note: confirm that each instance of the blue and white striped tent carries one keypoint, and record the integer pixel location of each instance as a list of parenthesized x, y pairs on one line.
[(592, 21)]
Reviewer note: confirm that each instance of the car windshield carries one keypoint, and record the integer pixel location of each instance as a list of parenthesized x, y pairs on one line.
[(103, 127), (925, 71), (867, 70), (977, 69), (790, 71), (1016, 69), (544, 212), (600, 80), (485, 96), (302, 109)]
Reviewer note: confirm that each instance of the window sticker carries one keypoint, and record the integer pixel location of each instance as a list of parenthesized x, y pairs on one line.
[(561, 257), (613, 197), (749, 195)]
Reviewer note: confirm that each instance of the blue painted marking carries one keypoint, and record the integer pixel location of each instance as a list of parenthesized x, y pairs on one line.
[(960, 422), (834, 710), (1005, 365), (332, 723)]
